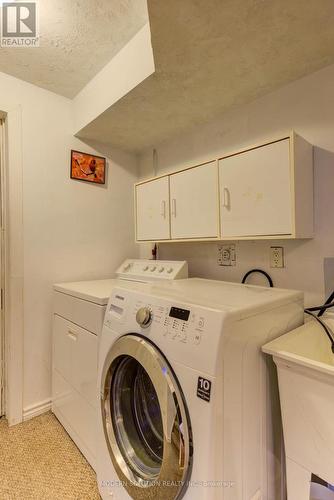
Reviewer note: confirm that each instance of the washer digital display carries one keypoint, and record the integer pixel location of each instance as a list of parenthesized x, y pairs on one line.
[(176, 312)]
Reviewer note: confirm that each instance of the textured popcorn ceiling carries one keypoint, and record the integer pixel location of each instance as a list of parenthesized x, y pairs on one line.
[(78, 38), (211, 55)]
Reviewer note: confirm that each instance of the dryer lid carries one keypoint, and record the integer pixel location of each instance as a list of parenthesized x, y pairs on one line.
[(97, 291)]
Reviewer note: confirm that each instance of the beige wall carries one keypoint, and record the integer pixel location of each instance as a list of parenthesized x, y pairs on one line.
[(71, 230), (307, 106)]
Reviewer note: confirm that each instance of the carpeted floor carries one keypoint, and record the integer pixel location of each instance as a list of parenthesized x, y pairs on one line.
[(39, 461)]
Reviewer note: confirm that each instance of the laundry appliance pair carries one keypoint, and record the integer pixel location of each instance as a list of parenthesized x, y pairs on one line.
[(79, 310)]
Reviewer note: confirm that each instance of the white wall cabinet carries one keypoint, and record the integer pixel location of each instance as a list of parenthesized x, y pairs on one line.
[(184, 205), (265, 191), (152, 203), (194, 203), (255, 192)]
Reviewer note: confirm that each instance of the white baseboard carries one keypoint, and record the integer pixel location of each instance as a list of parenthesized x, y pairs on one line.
[(36, 409)]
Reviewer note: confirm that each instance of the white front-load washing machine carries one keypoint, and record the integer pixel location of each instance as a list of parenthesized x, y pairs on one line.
[(188, 407), (79, 309)]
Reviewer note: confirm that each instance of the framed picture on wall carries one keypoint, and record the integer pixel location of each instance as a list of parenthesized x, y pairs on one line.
[(86, 167)]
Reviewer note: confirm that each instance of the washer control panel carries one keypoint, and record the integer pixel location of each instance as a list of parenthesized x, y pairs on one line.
[(189, 334), (175, 323)]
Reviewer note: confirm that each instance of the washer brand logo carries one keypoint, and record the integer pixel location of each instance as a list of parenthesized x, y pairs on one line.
[(204, 389), (19, 26)]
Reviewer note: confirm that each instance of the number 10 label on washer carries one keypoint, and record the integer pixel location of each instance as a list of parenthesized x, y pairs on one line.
[(204, 389)]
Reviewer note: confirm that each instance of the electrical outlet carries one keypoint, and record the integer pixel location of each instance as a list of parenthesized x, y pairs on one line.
[(226, 255), (277, 257)]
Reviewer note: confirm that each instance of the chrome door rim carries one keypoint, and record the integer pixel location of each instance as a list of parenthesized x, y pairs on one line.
[(171, 482)]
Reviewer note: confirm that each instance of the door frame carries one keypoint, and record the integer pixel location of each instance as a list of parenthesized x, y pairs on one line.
[(2, 276), (12, 238)]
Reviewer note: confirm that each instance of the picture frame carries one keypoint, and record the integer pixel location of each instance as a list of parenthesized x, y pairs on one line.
[(88, 167)]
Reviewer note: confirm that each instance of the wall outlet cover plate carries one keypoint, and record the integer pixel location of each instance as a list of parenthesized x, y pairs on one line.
[(227, 255), (277, 257)]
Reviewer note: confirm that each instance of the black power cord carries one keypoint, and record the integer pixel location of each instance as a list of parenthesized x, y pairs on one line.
[(311, 311), (260, 271), (321, 309), (328, 301)]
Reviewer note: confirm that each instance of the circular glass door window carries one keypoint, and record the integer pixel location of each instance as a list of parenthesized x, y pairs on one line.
[(136, 418)]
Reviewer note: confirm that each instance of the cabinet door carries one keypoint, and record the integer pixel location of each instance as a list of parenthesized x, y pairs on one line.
[(152, 200), (194, 202), (255, 192)]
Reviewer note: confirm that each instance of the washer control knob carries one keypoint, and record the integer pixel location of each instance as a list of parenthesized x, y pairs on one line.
[(144, 317), (145, 268), (161, 270), (153, 269), (170, 270)]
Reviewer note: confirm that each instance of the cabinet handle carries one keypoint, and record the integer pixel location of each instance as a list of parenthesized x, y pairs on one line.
[(226, 198), (163, 209), (174, 207), (72, 335)]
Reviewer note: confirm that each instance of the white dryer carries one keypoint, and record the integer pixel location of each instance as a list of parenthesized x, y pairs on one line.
[(79, 309), (187, 402)]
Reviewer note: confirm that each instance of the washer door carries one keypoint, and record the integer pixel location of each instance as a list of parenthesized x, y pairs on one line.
[(145, 420)]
